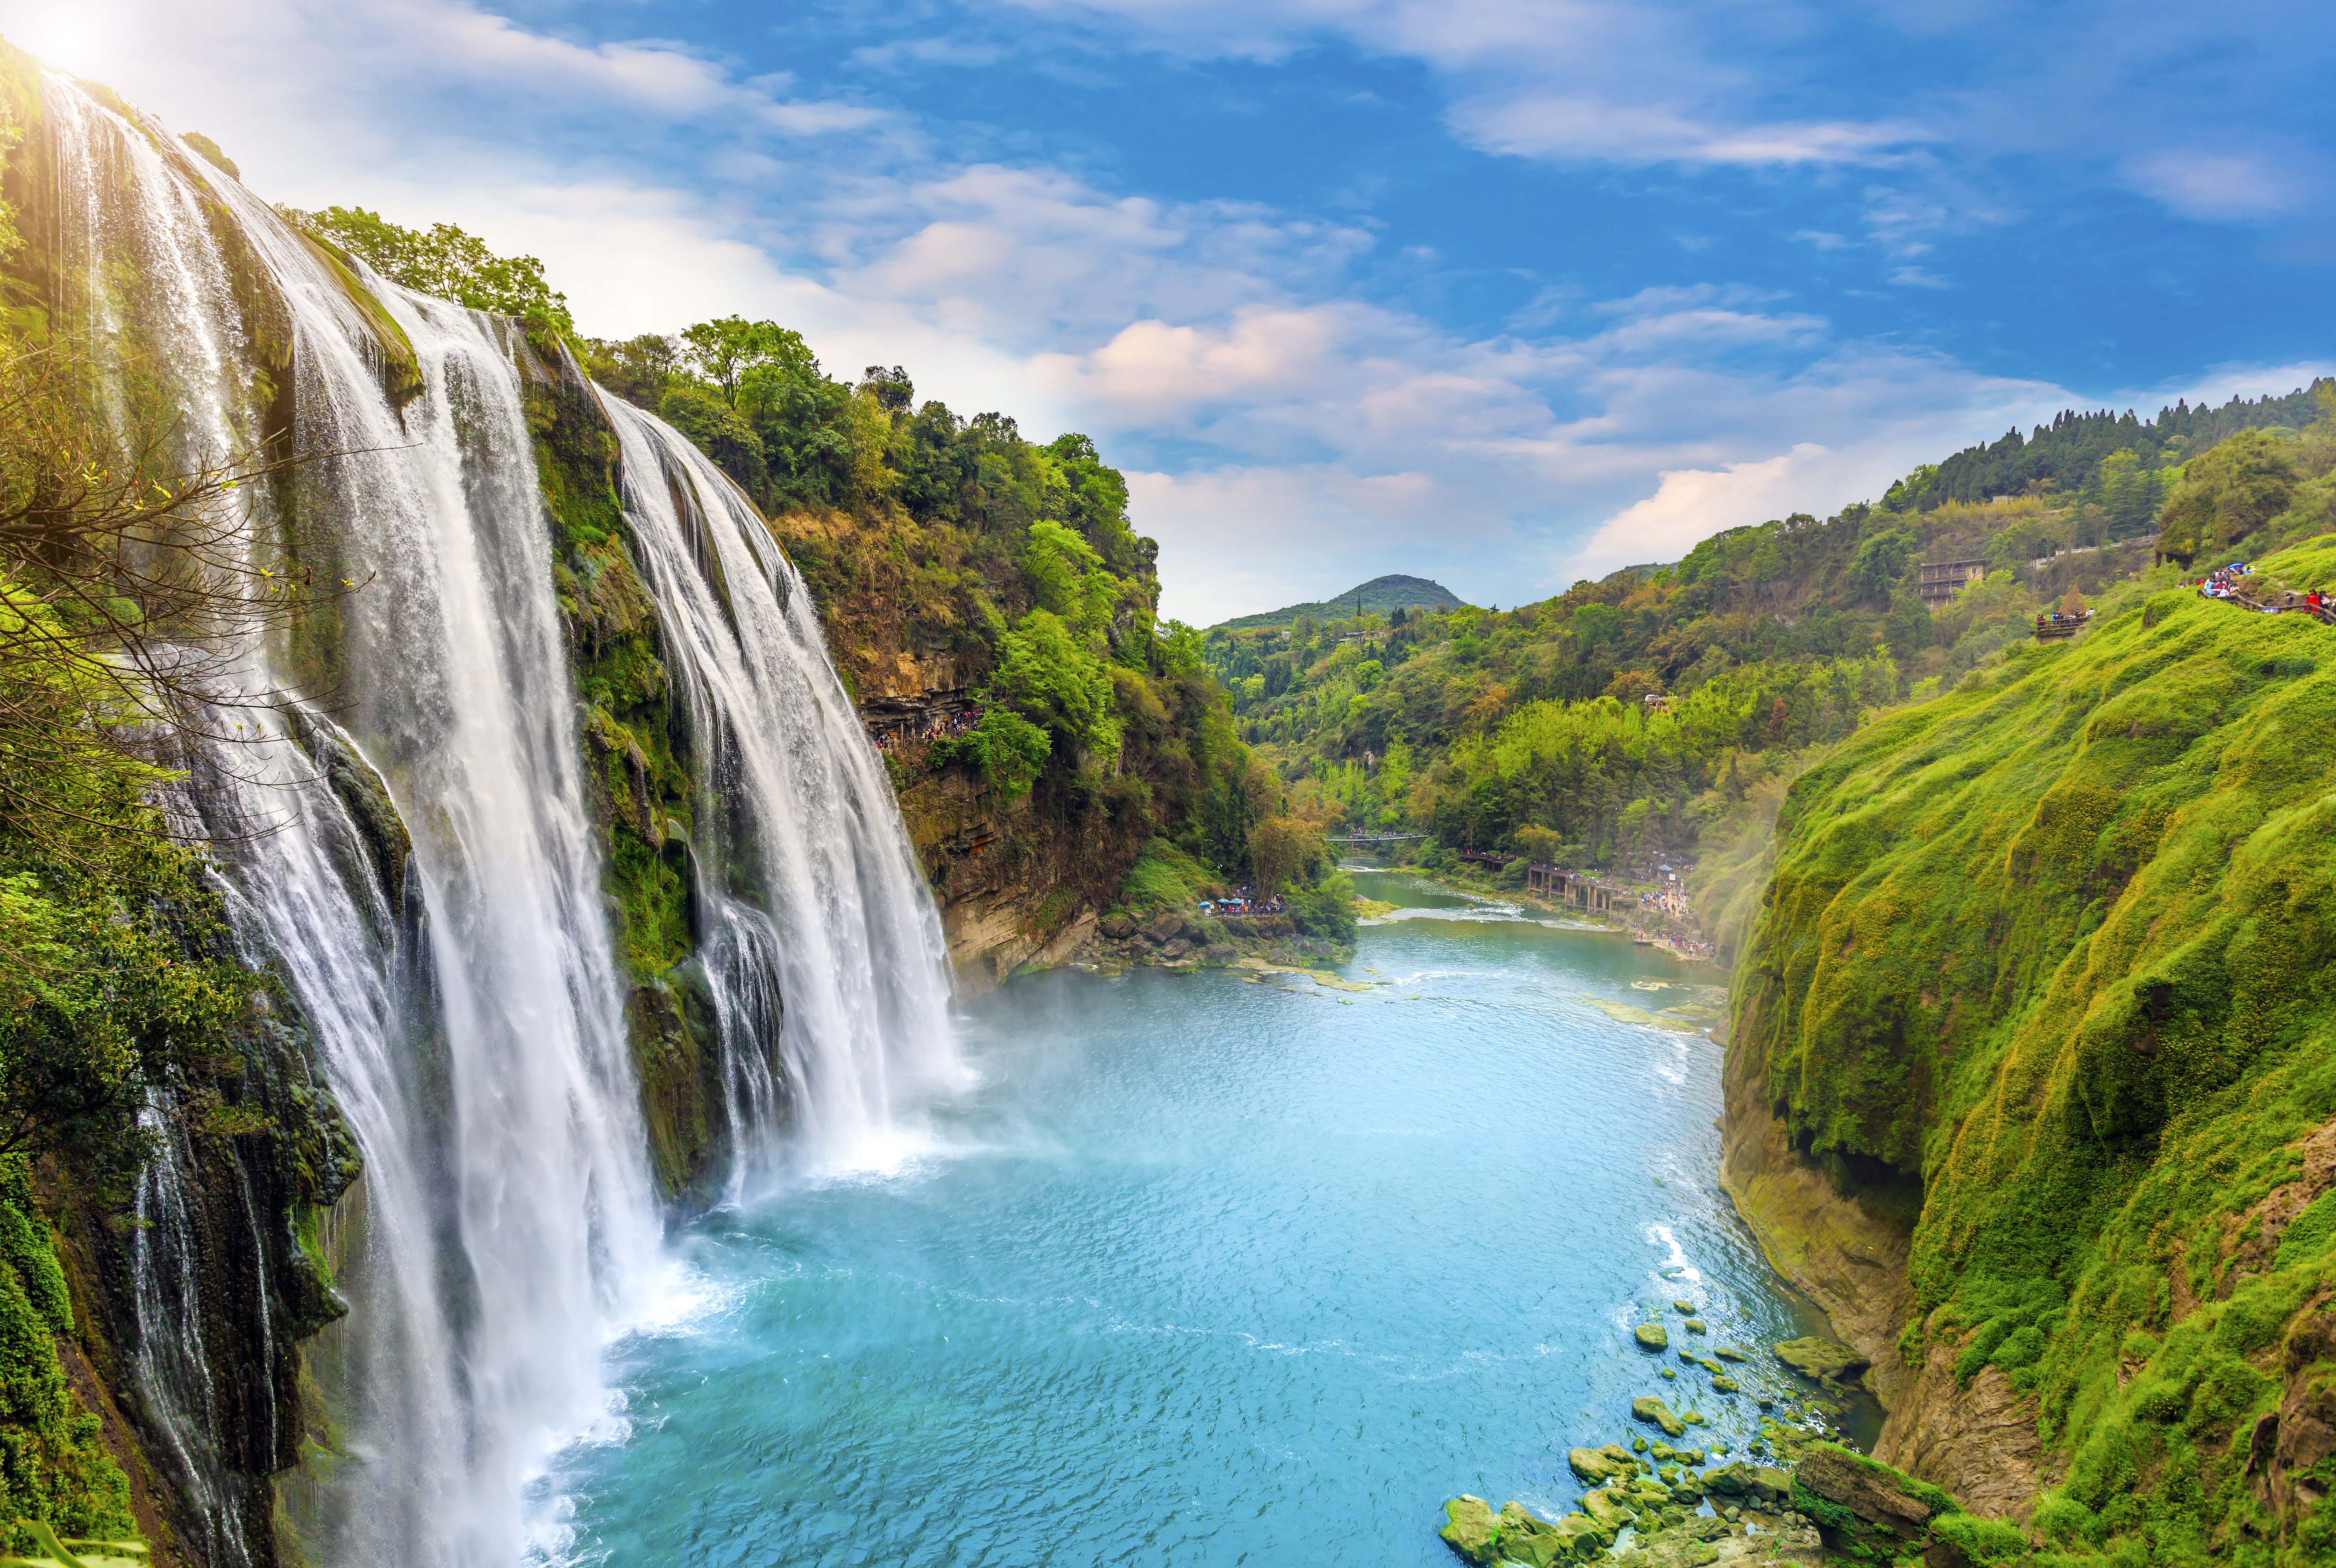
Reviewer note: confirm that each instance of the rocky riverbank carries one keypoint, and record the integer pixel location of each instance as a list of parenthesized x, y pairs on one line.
[(1830, 1506)]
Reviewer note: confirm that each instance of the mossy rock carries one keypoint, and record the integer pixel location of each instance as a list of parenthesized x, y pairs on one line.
[(1725, 1384), (1652, 1337), (1693, 1325), (1729, 1353), (1826, 1360), (1655, 1412), (1686, 1307), (1595, 1468)]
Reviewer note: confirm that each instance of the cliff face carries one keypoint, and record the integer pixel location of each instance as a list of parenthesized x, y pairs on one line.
[(2031, 1079), (1020, 879)]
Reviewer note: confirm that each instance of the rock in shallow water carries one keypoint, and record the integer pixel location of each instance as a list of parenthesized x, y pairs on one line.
[(1656, 1413), (1826, 1361), (1652, 1337)]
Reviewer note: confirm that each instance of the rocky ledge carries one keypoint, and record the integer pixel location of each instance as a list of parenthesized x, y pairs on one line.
[(1175, 939)]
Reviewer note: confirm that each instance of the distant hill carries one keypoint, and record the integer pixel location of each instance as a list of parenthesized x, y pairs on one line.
[(1379, 595)]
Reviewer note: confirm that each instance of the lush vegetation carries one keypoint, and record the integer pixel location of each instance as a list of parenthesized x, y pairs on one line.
[(443, 261), (2058, 947), (116, 989), (2099, 456), (927, 534), (1634, 716)]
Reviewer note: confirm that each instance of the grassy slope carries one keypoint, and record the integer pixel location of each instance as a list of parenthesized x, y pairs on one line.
[(2059, 944)]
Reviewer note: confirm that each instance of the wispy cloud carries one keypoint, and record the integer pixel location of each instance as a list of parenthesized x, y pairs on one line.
[(2221, 187)]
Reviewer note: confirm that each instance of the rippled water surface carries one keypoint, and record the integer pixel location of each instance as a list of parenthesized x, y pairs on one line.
[(1213, 1271)]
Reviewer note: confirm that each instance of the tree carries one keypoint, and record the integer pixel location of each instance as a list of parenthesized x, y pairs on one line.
[(893, 391), (1005, 748), (1907, 627), (637, 369), (443, 261), (716, 430), (725, 349), (2225, 495), (1278, 849)]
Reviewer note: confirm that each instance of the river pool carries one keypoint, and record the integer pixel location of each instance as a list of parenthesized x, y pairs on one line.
[(1210, 1271)]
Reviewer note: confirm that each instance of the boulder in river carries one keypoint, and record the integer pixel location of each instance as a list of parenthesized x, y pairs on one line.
[(1725, 1384), (1513, 1535), (1655, 1413), (1754, 1483), (1693, 1325), (1652, 1337), (1602, 1511), (1826, 1361), (1686, 1307), (1596, 1468), (1728, 1353)]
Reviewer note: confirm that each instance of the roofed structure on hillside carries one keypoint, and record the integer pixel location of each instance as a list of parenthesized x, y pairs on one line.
[(1942, 579)]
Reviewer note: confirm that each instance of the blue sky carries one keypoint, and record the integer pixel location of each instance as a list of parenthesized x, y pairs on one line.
[(1503, 294)]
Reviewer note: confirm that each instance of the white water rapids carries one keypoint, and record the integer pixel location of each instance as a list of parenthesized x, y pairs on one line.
[(474, 1033)]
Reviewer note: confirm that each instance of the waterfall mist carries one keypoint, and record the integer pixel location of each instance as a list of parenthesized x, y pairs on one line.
[(466, 1007)]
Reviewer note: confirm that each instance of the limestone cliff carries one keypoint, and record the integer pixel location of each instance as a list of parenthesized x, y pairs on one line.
[(2031, 1084)]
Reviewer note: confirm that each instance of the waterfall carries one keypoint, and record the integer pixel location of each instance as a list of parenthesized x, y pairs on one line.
[(839, 929), (466, 1008), (507, 1216)]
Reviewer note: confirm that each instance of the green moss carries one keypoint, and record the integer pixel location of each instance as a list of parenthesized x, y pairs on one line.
[(2062, 949), (54, 1466)]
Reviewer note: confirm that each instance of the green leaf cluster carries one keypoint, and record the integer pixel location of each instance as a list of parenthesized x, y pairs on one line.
[(443, 260)]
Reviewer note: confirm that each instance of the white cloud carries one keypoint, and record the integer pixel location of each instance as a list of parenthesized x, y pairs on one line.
[(1694, 503), (1589, 126), (1280, 432), (2220, 187)]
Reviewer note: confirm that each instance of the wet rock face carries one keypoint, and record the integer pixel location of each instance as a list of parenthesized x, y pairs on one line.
[(1514, 1535), (1746, 1483), (1863, 1508)]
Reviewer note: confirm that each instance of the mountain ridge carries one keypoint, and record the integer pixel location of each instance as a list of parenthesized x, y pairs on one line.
[(1379, 595)]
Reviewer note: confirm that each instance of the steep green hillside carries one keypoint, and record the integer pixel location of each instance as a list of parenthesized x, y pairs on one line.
[(2060, 948), (1382, 596)]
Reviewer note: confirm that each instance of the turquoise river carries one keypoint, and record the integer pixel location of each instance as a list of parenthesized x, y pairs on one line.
[(1209, 1270)]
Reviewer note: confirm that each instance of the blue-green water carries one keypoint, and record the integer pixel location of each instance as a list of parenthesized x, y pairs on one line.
[(1210, 1272)]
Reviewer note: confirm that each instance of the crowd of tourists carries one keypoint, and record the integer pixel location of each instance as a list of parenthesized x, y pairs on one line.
[(2224, 583), (905, 731), (1242, 900), (1685, 947)]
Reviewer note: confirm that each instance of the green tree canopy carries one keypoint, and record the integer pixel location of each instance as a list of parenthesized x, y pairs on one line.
[(443, 260)]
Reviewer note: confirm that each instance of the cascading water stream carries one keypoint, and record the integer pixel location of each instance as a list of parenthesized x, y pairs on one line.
[(508, 1214), (466, 1012), (843, 931)]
